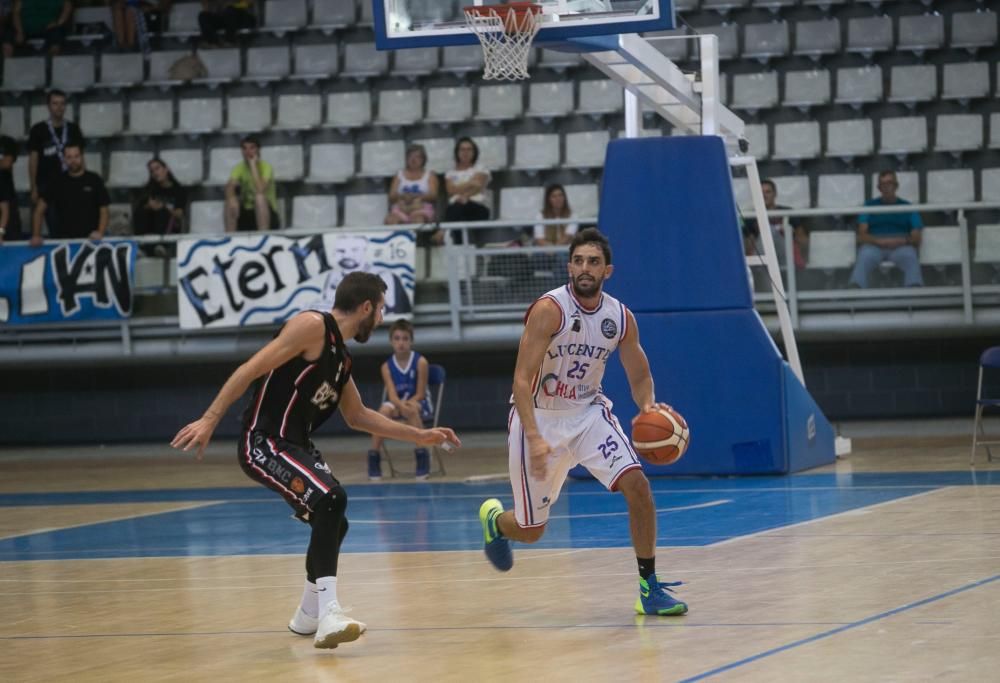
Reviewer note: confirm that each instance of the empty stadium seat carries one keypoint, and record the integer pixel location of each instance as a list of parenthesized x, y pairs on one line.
[(536, 151), (794, 191), (248, 114), (348, 109), (728, 35), (852, 138), (940, 246), (994, 131), (94, 161), (381, 158), (314, 211), (418, 61), (668, 43), (199, 114), (449, 104), (333, 13), (23, 73), (859, 85), (222, 64), (128, 168), (364, 210), (362, 60), (72, 72), (586, 149), (829, 249), (315, 61), (869, 34), (521, 203), (20, 173), (399, 107), (500, 102), (600, 96), (268, 63), (958, 132), (330, 162), (160, 62), (989, 187), (221, 161), (558, 60), (102, 119), (807, 88), (903, 135), (966, 81), (755, 91), (987, 248), (184, 17), (796, 140), (12, 122), (723, 5), (583, 199), (550, 99), (914, 83), (973, 29), (120, 70), (207, 217), (285, 15), (462, 58), (492, 151), (299, 111), (286, 160), (756, 134), (951, 186), (841, 190), (741, 192), (187, 165), (816, 38), (921, 32), (763, 41), (440, 153), (150, 117)]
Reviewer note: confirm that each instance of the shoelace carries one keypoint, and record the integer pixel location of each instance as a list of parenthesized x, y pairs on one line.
[(665, 586)]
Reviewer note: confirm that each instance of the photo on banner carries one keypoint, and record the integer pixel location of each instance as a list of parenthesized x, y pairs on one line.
[(66, 282), (246, 280)]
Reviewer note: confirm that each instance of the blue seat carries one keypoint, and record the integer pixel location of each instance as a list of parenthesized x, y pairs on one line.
[(989, 360), (435, 389)]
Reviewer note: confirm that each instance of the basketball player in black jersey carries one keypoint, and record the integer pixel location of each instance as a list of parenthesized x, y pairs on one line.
[(303, 375)]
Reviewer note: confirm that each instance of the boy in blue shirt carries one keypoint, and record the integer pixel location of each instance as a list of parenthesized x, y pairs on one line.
[(405, 377)]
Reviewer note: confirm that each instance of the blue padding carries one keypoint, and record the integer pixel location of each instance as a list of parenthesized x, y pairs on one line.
[(667, 206), (810, 435)]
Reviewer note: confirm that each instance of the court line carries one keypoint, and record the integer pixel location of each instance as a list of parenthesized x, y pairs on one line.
[(841, 629), (853, 511), (181, 508)]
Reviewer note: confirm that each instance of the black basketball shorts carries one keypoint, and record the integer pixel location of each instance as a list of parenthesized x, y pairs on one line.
[(299, 475)]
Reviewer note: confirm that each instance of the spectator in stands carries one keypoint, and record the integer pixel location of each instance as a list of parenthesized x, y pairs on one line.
[(228, 16), (413, 191), (800, 234), (47, 141), (888, 236), (135, 20), (43, 19), (80, 201), (160, 206), (251, 197), (467, 186), (555, 205), (10, 216)]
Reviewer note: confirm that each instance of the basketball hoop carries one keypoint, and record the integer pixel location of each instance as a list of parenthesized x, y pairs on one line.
[(506, 33)]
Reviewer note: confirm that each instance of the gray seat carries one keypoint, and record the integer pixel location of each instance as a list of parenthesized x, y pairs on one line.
[(314, 211), (966, 81), (794, 191), (492, 151), (349, 109), (586, 149), (533, 151), (449, 104), (840, 190), (121, 69), (331, 162), (285, 15), (287, 161), (819, 37), (869, 34), (12, 122), (362, 210), (221, 65), (500, 102), (381, 158), (73, 72), (958, 132), (723, 5), (994, 142), (330, 14), (859, 85), (150, 117), (952, 186), (199, 114), (268, 63), (299, 111), (187, 165), (729, 42), (583, 198), (440, 153), (755, 91), (558, 60), (550, 99), (399, 107), (807, 88), (221, 161), (161, 61), (757, 136), (914, 83), (941, 246), (796, 140), (248, 114), (851, 138), (973, 29), (417, 61), (102, 119), (921, 32), (832, 249), (315, 61), (183, 17), (362, 60), (208, 217), (600, 96), (128, 168), (763, 41), (462, 58), (903, 135), (521, 203), (676, 50), (989, 184)]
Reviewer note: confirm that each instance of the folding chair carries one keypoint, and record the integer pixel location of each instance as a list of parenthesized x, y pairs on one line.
[(989, 359), (435, 388)]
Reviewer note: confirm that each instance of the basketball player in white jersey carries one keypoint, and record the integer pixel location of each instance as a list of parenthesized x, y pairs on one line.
[(560, 418)]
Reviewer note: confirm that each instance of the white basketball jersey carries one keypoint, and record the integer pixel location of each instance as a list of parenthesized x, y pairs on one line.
[(571, 372)]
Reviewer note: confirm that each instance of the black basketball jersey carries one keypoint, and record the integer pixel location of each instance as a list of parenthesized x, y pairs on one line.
[(296, 398)]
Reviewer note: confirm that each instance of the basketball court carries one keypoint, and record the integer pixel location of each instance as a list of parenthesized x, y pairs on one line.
[(135, 562)]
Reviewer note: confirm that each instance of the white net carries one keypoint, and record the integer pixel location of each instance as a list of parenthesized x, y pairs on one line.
[(506, 33)]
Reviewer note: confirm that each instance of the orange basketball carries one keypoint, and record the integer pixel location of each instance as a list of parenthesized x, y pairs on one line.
[(660, 436)]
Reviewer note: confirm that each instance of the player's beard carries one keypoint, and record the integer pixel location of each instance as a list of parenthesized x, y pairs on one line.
[(365, 328), (588, 288)]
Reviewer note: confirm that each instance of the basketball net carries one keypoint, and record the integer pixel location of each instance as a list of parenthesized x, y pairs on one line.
[(506, 33)]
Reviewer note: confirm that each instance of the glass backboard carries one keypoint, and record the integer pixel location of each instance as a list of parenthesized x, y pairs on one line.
[(427, 23)]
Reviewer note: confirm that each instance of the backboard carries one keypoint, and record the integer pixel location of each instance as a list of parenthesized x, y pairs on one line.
[(427, 23)]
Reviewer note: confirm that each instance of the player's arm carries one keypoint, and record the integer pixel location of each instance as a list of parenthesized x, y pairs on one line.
[(301, 334), (543, 321), (423, 371), (363, 419), (636, 364), (390, 386)]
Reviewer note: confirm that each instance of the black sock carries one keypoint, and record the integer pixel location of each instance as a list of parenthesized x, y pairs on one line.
[(647, 566)]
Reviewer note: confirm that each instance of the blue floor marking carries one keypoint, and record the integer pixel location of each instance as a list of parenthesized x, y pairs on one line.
[(840, 629), (443, 516)]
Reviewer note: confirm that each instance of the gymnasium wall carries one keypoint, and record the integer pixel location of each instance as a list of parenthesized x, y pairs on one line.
[(877, 379)]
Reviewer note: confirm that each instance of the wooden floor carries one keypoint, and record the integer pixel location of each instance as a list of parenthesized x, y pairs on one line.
[(905, 589)]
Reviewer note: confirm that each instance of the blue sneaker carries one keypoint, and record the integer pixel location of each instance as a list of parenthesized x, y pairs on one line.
[(497, 548), (423, 463), (654, 598), (374, 465)]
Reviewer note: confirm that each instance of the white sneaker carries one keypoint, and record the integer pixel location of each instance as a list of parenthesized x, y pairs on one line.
[(335, 627), (302, 624)]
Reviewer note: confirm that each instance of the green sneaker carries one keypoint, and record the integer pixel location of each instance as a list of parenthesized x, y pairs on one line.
[(496, 547), (654, 598)]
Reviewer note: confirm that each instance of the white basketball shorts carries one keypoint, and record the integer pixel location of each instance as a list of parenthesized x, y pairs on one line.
[(591, 437)]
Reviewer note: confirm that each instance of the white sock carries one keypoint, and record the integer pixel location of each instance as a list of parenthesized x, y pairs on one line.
[(327, 593), (310, 600)]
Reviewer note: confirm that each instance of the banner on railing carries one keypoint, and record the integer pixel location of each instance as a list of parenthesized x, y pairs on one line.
[(66, 282), (264, 279)]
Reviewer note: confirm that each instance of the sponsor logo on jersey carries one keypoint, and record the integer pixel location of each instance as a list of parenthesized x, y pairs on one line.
[(325, 396), (322, 467), (588, 350), (609, 328), (297, 485), (553, 387)]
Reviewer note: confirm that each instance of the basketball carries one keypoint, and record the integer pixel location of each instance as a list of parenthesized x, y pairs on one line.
[(661, 436)]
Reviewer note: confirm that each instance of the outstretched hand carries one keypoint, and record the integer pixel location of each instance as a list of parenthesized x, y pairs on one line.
[(197, 434), (438, 436)]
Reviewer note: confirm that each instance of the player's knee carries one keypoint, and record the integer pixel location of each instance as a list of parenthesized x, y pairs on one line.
[(333, 503), (634, 485), (532, 534)]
